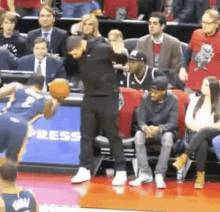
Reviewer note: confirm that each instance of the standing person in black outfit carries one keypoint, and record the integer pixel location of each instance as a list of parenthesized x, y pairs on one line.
[(100, 103)]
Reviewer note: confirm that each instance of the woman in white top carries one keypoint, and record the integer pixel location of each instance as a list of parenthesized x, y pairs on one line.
[(203, 121)]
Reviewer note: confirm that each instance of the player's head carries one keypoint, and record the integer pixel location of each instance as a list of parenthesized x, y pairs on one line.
[(8, 171), (36, 81), (210, 22), (137, 62), (114, 36), (76, 46)]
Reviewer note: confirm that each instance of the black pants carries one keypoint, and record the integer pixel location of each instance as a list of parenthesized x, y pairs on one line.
[(103, 110), (198, 143)]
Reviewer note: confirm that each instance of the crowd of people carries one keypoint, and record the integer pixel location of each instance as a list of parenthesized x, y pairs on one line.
[(181, 11), (157, 65)]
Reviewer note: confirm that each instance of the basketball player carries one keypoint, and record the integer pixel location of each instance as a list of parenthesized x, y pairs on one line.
[(14, 198), (25, 105), (100, 102)]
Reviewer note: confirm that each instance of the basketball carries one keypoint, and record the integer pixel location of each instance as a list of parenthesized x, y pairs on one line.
[(59, 89)]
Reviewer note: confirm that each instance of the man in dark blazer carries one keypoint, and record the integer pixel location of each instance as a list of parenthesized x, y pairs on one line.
[(39, 62), (56, 37), (194, 10)]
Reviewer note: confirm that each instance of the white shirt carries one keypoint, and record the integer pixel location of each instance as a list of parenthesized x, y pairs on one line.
[(160, 39), (49, 33), (203, 117), (43, 69)]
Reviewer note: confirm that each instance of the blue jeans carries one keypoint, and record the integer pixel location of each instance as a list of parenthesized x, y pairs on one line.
[(216, 146), (27, 12), (76, 10)]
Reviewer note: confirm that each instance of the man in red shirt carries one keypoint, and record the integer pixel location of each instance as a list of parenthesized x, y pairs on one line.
[(205, 52), (121, 9)]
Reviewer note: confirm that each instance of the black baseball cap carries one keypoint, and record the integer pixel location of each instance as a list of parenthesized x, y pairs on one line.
[(160, 82), (136, 55)]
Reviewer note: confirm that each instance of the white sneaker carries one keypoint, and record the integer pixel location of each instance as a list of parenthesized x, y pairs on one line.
[(143, 178), (82, 175), (159, 180), (120, 178)]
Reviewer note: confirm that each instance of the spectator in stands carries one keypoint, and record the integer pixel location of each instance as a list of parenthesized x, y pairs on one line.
[(89, 26), (27, 7), (194, 10), (7, 60), (140, 75), (121, 68), (203, 121), (157, 120), (178, 7), (56, 37), (204, 52), (78, 8), (120, 10), (41, 63), (13, 196), (162, 50), (10, 38)]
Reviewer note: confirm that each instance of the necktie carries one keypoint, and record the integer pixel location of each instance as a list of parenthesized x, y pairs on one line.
[(39, 72), (45, 34)]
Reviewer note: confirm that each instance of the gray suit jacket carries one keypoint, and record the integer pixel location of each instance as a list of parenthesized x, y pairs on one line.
[(170, 53)]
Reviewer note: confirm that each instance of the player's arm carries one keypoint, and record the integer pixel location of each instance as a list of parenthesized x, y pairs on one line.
[(50, 108), (8, 90)]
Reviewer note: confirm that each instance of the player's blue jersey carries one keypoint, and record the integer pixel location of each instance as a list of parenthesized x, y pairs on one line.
[(19, 202), (27, 103)]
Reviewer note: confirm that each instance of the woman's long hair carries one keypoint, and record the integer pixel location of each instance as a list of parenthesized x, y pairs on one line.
[(94, 21), (214, 95)]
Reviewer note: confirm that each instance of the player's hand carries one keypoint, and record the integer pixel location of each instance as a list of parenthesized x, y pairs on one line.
[(183, 74)]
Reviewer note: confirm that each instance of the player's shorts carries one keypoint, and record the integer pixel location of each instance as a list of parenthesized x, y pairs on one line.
[(13, 130)]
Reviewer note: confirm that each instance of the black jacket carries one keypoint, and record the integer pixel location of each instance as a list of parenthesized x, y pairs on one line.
[(162, 114), (57, 42), (96, 69), (16, 44)]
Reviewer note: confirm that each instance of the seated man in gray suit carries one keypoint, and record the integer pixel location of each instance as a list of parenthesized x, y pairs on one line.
[(56, 37), (162, 50), (39, 62)]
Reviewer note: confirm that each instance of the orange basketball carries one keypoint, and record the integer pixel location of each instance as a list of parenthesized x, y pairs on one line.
[(59, 89)]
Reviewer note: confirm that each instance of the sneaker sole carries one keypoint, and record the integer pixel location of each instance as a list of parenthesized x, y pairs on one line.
[(80, 181), (144, 182)]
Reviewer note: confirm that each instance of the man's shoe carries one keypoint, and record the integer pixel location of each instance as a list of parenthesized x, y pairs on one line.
[(82, 175), (180, 161), (143, 178), (200, 180), (120, 178), (159, 180)]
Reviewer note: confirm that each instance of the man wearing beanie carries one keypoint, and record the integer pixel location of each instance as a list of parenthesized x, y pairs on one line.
[(157, 121)]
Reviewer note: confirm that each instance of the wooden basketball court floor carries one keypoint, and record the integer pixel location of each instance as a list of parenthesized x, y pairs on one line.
[(55, 193)]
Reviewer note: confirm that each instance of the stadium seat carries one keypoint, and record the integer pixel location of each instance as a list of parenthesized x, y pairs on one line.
[(128, 140), (130, 44), (129, 101)]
